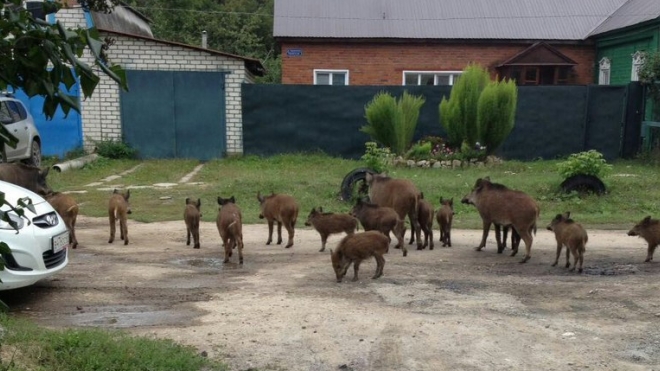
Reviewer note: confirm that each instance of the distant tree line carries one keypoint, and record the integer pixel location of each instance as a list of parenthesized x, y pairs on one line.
[(241, 27)]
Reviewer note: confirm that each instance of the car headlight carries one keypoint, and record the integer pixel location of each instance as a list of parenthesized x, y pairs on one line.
[(19, 222)]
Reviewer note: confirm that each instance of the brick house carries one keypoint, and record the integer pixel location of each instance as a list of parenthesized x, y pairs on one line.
[(162, 77), (428, 42)]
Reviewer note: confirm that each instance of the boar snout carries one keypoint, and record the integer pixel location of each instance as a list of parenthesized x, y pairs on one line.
[(261, 216), (465, 200), (549, 227), (129, 211), (632, 232)]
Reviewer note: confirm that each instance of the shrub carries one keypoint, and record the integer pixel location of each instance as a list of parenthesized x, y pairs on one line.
[(115, 149), (496, 113), (587, 163), (377, 158), (420, 151), (459, 113), (649, 75), (392, 123)]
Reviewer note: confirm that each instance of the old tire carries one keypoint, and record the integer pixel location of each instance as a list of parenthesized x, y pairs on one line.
[(583, 184), (355, 183), (35, 154)]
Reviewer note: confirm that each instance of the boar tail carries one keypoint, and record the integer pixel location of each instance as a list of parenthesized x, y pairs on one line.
[(72, 208)]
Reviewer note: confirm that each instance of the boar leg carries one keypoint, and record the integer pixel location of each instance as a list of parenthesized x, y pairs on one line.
[(574, 252), (415, 228), (72, 236), (196, 237), (227, 252), (650, 251), (324, 239), (581, 255), (559, 245), (412, 235), (291, 232), (484, 236), (279, 232), (429, 238), (356, 268), (501, 245), (380, 264), (568, 261), (400, 241), (111, 216), (448, 235), (124, 229), (270, 232), (527, 238), (239, 243), (187, 236)]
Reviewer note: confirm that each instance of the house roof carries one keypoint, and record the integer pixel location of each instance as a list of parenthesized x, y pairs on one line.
[(454, 19), (631, 13)]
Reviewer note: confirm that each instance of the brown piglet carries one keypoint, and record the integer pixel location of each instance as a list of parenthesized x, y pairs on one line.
[(649, 230), (330, 223), (425, 219), (191, 216), (357, 247), (230, 227), (119, 208), (282, 209), (445, 216), (67, 207), (572, 235), (382, 219)]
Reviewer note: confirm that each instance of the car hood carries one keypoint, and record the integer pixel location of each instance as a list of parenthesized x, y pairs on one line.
[(13, 193)]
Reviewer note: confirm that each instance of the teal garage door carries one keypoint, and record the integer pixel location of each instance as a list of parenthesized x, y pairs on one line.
[(175, 114)]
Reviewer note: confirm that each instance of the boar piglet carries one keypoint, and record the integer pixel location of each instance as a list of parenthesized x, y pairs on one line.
[(382, 219), (119, 208), (191, 216), (330, 223), (399, 194), (425, 219), (498, 204), (67, 207), (649, 230), (572, 235), (26, 176), (230, 227), (445, 216), (282, 209), (357, 247)]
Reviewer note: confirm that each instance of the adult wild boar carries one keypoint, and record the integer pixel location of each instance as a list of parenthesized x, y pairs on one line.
[(401, 195), (191, 216), (500, 205), (26, 176), (282, 209), (230, 227), (572, 235), (649, 230), (382, 219), (67, 207), (330, 223), (357, 247), (445, 217)]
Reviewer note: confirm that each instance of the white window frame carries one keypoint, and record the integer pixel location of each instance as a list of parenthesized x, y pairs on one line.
[(637, 62), (604, 71), (452, 76), (331, 72)]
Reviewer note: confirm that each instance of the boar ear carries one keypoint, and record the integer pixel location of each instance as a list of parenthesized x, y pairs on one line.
[(259, 197), (567, 215), (647, 220), (219, 200), (330, 251), (451, 201), (232, 199), (45, 171), (320, 209), (440, 200), (128, 194), (199, 202), (187, 200), (369, 177), (487, 178), (421, 195), (115, 191)]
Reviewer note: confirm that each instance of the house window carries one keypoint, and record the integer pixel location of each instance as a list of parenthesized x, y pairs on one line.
[(430, 77), (637, 62), (330, 77), (36, 8), (604, 71)]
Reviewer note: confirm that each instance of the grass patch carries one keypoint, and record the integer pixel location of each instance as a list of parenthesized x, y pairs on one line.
[(26, 346), (314, 179)]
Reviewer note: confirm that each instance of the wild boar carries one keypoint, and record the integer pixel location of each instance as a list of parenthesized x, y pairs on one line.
[(425, 219), (330, 223), (119, 208), (445, 216), (500, 205), (357, 247), (191, 216), (572, 235), (382, 219), (649, 230), (401, 195), (26, 176), (68, 209), (230, 227), (282, 209)]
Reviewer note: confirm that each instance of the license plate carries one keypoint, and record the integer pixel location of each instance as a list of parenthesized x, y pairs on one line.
[(60, 242)]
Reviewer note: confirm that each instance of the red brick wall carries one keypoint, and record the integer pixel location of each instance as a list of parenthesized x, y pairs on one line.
[(383, 64)]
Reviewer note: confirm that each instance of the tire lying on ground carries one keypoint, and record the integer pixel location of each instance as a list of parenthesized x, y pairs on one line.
[(355, 181), (583, 184)]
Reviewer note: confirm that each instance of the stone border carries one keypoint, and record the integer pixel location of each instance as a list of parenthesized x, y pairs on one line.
[(447, 164)]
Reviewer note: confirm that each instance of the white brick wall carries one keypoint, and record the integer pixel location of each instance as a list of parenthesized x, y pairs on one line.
[(101, 112)]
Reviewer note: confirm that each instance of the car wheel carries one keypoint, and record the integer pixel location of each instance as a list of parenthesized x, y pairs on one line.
[(35, 154)]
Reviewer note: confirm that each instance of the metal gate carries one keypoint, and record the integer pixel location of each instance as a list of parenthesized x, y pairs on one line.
[(175, 114)]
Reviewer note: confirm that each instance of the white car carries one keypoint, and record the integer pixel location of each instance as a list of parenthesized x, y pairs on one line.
[(18, 121), (39, 247)]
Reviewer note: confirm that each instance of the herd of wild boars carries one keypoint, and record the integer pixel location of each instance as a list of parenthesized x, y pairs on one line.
[(382, 214)]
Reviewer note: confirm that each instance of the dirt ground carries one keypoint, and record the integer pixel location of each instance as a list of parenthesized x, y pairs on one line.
[(446, 309)]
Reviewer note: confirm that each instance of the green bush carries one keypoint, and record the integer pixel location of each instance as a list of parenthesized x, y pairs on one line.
[(377, 158), (496, 113), (115, 149), (587, 163), (459, 113), (649, 75), (392, 123), (420, 151)]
